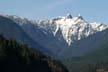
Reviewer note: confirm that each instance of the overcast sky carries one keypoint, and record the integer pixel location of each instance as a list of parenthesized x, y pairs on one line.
[(91, 10)]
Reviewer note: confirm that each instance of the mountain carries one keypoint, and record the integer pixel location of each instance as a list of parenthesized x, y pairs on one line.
[(44, 37), (10, 29), (15, 57), (65, 36), (72, 28), (87, 45), (93, 61), (80, 45)]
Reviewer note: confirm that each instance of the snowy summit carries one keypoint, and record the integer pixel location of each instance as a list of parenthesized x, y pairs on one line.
[(72, 28)]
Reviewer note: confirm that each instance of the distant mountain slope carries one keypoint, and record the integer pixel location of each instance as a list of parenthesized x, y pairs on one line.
[(64, 36), (86, 45), (16, 57), (10, 29), (91, 62), (72, 28), (44, 37)]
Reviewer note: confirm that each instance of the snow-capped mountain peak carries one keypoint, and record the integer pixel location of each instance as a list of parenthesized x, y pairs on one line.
[(98, 26), (76, 28), (69, 16), (70, 28)]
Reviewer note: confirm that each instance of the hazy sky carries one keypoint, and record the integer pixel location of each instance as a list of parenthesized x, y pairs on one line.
[(91, 10)]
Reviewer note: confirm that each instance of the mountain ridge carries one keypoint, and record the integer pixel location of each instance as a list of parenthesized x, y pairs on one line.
[(59, 34), (12, 30), (61, 22)]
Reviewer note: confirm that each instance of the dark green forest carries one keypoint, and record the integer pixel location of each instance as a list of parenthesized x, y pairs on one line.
[(16, 57)]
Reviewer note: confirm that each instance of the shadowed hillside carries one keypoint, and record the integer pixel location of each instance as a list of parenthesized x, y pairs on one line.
[(19, 58)]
